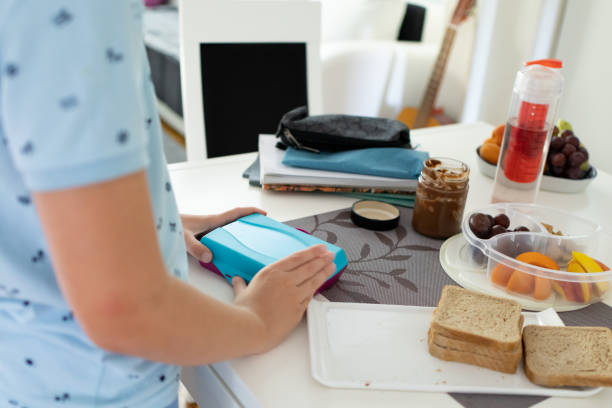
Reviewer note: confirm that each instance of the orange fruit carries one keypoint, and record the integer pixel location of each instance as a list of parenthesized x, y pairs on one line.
[(489, 152), (498, 134)]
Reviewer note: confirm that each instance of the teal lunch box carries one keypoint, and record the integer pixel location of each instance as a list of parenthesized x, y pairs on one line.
[(250, 243)]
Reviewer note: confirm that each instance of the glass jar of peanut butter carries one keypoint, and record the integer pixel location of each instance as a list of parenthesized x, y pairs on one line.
[(440, 197)]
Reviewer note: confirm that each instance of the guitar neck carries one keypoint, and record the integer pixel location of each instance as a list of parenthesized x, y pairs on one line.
[(435, 79)]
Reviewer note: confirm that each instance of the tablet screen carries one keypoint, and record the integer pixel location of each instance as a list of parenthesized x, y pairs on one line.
[(246, 88)]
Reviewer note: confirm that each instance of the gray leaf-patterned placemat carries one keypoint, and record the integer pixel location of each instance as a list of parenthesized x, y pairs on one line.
[(391, 267), (402, 267)]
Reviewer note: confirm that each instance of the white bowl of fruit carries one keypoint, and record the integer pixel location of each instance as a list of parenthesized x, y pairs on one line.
[(567, 168)]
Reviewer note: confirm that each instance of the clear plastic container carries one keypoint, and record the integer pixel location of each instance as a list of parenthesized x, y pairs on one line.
[(532, 280), (531, 114)]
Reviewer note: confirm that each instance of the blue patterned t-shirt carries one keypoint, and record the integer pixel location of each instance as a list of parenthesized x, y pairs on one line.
[(77, 107)]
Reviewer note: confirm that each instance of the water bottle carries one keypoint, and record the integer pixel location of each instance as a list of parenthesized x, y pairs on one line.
[(533, 109)]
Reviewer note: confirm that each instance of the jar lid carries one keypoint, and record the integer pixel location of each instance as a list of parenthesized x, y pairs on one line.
[(375, 215)]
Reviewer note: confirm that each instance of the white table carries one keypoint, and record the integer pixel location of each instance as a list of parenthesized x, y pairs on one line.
[(281, 377)]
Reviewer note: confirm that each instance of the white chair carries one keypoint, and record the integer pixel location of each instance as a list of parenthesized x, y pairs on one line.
[(209, 29), (355, 76), (367, 72)]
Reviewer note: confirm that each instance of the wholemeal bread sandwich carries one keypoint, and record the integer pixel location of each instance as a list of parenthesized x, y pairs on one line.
[(452, 343), (568, 356), (482, 356), (477, 318)]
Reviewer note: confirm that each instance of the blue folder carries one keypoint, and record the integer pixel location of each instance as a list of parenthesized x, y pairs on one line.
[(393, 162)]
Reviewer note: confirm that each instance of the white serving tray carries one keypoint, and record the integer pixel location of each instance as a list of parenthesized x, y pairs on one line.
[(384, 347)]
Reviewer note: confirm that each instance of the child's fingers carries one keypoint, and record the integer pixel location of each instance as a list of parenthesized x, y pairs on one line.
[(311, 286), (196, 248), (238, 284), (233, 214), (293, 261), (307, 271)]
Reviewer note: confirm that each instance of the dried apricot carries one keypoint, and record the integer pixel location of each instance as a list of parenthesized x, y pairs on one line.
[(538, 259), (500, 274), (541, 288), (520, 282)]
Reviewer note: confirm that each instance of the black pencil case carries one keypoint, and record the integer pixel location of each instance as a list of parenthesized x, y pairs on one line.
[(339, 132)]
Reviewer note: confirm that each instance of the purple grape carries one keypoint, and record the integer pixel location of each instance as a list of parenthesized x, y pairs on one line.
[(478, 257), (568, 149), (576, 159), (501, 219), (558, 160), (521, 228), (506, 247), (584, 151), (497, 229), (567, 133), (480, 224), (574, 173), (557, 171), (523, 245), (555, 131), (573, 140), (556, 144)]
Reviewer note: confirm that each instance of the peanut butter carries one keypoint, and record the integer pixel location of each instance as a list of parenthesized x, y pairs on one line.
[(440, 198)]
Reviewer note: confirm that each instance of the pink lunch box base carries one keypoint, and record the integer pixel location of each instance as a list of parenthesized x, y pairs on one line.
[(328, 283)]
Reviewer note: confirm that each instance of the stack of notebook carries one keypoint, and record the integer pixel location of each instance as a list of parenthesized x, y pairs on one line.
[(272, 174)]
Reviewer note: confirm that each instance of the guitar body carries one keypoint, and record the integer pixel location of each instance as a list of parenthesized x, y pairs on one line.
[(408, 115)]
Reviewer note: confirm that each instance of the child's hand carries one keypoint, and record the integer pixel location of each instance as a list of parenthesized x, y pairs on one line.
[(279, 294), (195, 224)]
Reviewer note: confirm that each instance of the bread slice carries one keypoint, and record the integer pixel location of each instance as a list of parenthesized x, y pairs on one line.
[(568, 356), (485, 351), (477, 318), (443, 353)]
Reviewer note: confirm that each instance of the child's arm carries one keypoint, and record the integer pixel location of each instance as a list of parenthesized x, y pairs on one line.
[(105, 253)]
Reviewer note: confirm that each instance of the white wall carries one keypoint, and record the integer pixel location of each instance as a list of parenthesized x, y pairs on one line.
[(506, 35), (585, 49)]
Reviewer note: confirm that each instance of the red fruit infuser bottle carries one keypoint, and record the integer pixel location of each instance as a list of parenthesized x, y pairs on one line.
[(533, 109)]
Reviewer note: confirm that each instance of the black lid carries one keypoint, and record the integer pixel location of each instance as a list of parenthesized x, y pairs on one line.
[(375, 215)]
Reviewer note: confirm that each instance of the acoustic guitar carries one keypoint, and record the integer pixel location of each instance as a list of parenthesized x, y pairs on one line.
[(426, 115)]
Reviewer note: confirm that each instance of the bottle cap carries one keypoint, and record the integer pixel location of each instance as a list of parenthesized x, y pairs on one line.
[(548, 62), (375, 215), (539, 82)]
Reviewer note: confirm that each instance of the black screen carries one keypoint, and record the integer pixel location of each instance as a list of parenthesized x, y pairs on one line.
[(246, 88)]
